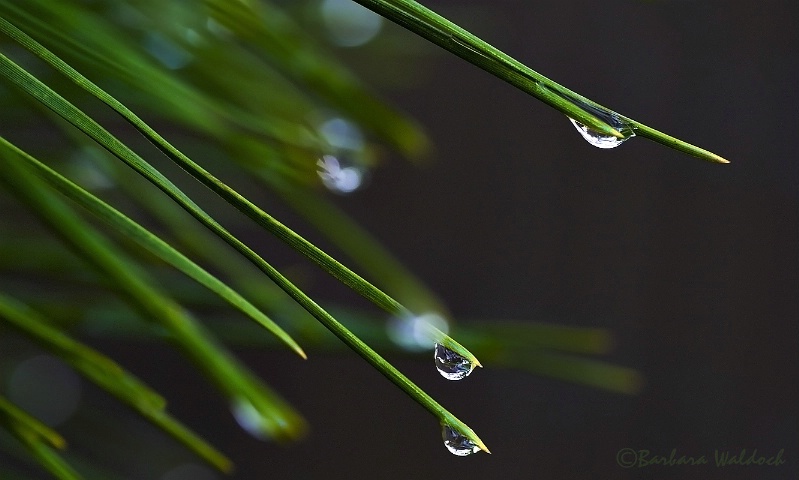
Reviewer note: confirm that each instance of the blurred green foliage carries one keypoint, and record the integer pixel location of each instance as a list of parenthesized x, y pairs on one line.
[(262, 103)]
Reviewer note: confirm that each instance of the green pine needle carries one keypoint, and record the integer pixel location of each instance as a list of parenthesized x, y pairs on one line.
[(437, 29), (187, 332), (72, 114), (39, 439), (279, 419), (106, 374), (153, 243)]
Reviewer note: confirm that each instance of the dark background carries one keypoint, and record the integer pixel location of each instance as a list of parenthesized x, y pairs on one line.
[(692, 265)]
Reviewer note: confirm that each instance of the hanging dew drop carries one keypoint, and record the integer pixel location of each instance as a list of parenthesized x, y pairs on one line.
[(451, 365), (600, 140), (456, 443), (595, 138)]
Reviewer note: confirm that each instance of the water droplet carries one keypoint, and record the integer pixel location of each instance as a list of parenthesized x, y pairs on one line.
[(85, 167), (342, 134), (169, 53), (193, 36), (36, 383), (349, 24), (339, 175), (417, 332), (597, 139), (249, 418), (451, 365), (218, 29), (456, 443)]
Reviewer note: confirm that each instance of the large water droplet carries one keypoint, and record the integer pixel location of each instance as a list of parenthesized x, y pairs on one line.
[(600, 140), (451, 365), (597, 139), (456, 443)]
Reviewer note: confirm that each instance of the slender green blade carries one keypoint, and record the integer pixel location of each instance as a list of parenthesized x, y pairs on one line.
[(187, 332), (11, 415), (279, 420), (75, 116), (108, 375), (39, 439), (45, 454), (437, 29), (88, 37), (359, 245), (93, 365), (492, 336), (266, 26), (153, 243), (584, 371)]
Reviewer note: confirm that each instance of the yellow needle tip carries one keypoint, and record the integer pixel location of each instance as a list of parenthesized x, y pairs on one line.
[(617, 134)]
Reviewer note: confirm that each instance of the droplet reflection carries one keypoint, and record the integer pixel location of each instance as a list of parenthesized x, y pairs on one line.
[(84, 168), (598, 139), (169, 53), (342, 134), (338, 175), (451, 365), (456, 443), (218, 29), (349, 24), (417, 332), (249, 418)]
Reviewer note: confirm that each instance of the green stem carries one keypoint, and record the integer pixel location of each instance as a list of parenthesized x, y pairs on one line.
[(437, 29), (161, 307), (70, 113), (151, 242), (280, 420)]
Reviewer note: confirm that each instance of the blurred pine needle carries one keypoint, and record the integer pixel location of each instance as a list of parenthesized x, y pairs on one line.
[(263, 101)]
